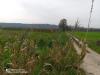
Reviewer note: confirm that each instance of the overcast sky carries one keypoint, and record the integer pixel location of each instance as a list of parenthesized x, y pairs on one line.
[(49, 11)]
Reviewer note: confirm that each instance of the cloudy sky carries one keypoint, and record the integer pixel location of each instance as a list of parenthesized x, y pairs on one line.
[(49, 11)]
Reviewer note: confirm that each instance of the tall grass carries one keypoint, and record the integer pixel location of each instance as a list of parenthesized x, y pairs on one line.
[(40, 53)]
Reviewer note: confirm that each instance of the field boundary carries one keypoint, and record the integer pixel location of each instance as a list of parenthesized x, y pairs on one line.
[(91, 60)]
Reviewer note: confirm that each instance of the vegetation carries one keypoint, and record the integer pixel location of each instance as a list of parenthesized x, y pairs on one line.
[(40, 53), (93, 39), (77, 25), (63, 25)]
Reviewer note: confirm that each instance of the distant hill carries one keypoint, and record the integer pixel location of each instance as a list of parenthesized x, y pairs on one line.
[(42, 26), (32, 26)]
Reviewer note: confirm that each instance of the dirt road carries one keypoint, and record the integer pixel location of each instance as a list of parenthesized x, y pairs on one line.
[(91, 62)]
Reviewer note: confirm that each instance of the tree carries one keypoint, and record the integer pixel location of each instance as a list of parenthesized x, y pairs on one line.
[(77, 24), (63, 25)]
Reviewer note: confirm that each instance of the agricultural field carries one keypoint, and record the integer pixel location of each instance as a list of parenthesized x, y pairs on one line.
[(93, 39), (39, 53)]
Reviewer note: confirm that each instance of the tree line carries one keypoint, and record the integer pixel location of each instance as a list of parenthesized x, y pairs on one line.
[(63, 26)]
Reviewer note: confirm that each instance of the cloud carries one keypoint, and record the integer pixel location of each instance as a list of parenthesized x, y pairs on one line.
[(51, 11)]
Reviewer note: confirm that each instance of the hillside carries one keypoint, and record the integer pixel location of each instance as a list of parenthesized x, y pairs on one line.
[(34, 26)]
